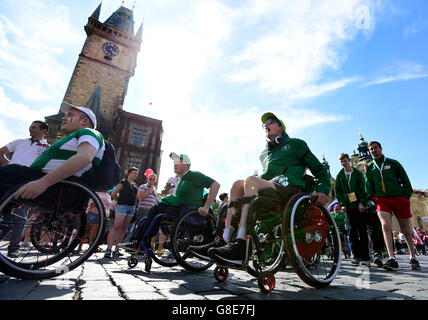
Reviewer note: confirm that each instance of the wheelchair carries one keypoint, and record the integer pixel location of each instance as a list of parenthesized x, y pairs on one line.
[(300, 233), (189, 228), (53, 227)]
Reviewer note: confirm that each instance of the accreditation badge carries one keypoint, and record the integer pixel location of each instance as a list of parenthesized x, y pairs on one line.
[(352, 197)]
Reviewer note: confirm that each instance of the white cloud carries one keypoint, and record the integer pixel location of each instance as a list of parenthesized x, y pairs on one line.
[(298, 42), (32, 42), (399, 71), (15, 118)]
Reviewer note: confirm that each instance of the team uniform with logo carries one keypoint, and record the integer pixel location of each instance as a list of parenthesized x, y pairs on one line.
[(389, 186), (285, 165)]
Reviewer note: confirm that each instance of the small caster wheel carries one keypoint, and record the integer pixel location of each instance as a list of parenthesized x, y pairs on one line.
[(148, 263), (221, 273), (266, 282), (132, 262)]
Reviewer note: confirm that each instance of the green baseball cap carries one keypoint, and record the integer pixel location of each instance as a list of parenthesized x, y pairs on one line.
[(270, 115), (182, 156)]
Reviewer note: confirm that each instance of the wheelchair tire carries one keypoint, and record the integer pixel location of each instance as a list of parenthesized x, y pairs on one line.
[(266, 282), (321, 268), (191, 229), (221, 273), (132, 262), (58, 216)]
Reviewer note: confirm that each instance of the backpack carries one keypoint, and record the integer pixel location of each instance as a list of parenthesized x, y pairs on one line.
[(107, 174)]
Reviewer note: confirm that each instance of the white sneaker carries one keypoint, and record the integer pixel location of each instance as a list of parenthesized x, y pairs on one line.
[(355, 261), (365, 263)]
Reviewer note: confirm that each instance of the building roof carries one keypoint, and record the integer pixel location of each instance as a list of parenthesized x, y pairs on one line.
[(122, 19)]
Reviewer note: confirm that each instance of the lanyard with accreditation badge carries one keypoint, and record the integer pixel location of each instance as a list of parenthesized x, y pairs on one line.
[(351, 195), (381, 175)]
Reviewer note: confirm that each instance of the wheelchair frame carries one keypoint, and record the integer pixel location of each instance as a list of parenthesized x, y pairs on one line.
[(175, 243), (303, 267)]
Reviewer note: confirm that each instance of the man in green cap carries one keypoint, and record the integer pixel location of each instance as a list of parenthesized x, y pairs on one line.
[(189, 192), (284, 164)]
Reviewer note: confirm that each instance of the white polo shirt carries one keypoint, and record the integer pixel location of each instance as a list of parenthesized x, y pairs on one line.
[(25, 151)]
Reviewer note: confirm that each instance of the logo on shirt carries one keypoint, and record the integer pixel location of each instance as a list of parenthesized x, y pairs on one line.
[(286, 147)]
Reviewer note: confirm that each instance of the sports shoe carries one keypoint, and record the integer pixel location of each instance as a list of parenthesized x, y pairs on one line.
[(355, 261), (391, 264), (414, 264), (107, 254), (378, 262), (13, 253), (232, 253), (202, 251), (132, 246), (117, 253), (366, 263)]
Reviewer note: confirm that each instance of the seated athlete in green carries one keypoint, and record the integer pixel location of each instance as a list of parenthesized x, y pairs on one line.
[(189, 192), (284, 163)]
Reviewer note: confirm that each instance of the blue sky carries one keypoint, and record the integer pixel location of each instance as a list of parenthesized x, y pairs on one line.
[(211, 68)]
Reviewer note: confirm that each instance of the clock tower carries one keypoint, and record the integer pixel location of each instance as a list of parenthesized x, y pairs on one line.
[(100, 81), (109, 56)]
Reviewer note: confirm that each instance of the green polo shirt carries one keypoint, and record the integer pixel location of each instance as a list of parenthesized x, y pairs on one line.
[(343, 187), (396, 181), (190, 190), (290, 157)]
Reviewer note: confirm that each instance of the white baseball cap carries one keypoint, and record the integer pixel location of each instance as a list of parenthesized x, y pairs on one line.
[(65, 106)]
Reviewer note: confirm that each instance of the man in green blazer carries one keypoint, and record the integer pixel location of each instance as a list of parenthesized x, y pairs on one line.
[(351, 195)]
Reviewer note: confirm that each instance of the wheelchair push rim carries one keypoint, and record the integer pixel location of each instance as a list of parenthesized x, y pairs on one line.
[(42, 256), (320, 269)]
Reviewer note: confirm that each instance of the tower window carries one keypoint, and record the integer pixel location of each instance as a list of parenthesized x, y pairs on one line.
[(138, 137), (133, 162)]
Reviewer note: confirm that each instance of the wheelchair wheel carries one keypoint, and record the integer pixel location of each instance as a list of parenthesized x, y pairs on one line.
[(192, 229), (266, 282), (271, 259), (51, 233), (221, 273), (162, 247), (312, 241), (44, 241), (132, 262)]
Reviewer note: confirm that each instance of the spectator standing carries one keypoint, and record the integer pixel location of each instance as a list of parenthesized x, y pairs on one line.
[(126, 194), (350, 192), (25, 151), (224, 198), (146, 197), (389, 187), (93, 217), (170, 186)]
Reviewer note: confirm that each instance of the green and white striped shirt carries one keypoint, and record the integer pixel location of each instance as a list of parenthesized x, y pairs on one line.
[(65, 148)]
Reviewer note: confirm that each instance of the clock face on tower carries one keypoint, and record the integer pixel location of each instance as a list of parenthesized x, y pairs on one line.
[(110, 49)]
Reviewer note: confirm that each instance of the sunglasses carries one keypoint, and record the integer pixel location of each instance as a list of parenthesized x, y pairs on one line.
[(268, 122)]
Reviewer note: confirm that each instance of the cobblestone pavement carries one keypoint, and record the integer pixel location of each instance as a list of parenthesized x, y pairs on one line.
[(111, 279)]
